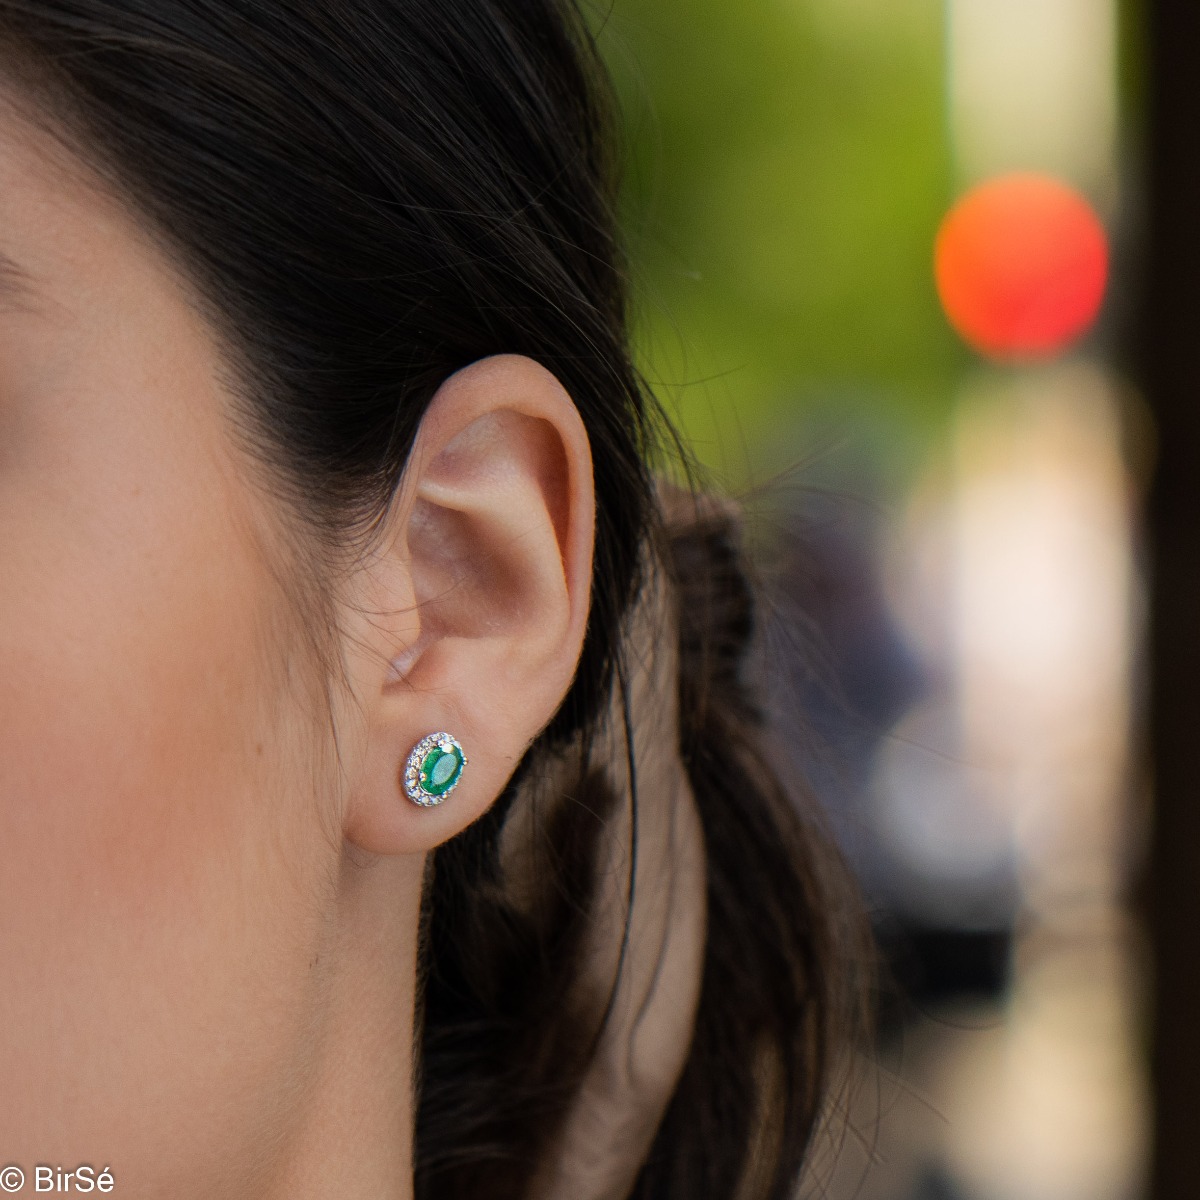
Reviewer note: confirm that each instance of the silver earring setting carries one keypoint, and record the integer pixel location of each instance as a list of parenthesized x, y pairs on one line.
[(433, 769)]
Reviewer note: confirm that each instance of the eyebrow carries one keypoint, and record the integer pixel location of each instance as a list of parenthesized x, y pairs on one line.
[(17, 286)]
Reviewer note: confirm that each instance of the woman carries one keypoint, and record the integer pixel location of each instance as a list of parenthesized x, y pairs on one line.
[(383, 807)]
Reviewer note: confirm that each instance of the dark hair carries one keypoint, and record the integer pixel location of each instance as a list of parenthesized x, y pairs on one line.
[(369, 195)]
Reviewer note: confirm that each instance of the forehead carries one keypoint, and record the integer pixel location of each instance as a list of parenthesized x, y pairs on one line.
[(66, 238), (101, 343)]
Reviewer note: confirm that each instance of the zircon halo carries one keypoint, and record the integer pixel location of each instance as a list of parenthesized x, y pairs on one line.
[(433, 769)]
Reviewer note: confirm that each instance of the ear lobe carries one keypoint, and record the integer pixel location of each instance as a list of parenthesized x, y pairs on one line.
[(493, 547)]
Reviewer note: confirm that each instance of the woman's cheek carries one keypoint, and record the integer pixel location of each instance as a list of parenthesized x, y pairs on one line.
[(156, 849)]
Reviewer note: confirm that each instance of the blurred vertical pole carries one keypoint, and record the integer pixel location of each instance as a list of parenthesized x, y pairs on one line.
[(1170, 349)]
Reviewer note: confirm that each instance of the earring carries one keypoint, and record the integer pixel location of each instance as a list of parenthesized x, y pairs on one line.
[(433, 769)]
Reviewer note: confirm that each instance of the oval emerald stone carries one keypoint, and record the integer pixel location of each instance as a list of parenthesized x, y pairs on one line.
[(440, 769)]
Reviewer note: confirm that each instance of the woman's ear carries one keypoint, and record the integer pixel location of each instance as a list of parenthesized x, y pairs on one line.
[(470, 617)]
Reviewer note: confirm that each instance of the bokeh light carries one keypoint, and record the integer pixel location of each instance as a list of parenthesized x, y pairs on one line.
[(1021, 263)]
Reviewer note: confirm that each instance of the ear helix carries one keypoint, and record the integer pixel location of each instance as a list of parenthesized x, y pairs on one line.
[(434, 769)]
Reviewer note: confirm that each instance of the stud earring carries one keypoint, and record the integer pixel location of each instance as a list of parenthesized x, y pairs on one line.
[(433, 769)]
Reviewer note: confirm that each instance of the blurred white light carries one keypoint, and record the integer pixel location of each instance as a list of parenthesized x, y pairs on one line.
[(1032, 85), (1042, 588)]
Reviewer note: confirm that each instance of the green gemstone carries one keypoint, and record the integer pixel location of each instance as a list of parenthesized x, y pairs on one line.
[(440, 770)]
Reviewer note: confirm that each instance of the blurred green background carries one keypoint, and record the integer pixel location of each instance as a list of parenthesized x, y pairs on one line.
[(788, 164)]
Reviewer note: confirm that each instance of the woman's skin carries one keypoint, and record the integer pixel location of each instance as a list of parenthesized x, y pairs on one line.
[(208, 911)]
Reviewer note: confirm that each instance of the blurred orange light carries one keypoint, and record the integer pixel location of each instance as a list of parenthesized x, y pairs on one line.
[(1021, 263)]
